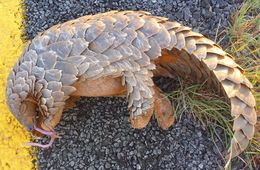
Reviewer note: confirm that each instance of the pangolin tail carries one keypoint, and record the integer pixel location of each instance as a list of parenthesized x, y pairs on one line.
[(202, 60)]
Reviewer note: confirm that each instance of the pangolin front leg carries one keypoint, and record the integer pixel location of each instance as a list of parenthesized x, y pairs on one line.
[(161, 108)]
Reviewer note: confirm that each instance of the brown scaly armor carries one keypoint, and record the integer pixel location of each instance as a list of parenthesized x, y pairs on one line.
[(118, 53)]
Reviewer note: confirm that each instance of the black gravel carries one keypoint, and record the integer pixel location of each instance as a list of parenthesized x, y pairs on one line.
[(96, 134), (205, 16)]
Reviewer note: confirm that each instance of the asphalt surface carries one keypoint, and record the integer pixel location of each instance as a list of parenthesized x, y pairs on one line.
[(96, 134)]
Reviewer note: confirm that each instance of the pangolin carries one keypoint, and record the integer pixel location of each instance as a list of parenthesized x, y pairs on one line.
[(118, 53)]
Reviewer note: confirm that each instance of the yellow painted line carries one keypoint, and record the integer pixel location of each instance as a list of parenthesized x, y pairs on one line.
[(13, 155)]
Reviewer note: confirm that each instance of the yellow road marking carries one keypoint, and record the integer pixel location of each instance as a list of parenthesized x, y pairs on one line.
[(13, 155)]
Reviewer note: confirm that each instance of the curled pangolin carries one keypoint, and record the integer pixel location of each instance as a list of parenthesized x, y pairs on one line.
[(117, 53)]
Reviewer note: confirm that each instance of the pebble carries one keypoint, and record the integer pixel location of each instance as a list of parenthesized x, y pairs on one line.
[(201, 166)]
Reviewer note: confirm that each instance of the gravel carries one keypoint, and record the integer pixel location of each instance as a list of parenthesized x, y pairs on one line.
[(96, 133), (205, 16)]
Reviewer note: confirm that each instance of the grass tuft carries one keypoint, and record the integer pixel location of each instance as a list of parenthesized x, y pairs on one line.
[(212, 111)]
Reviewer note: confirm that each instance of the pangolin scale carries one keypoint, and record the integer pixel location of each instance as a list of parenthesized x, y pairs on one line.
[(123, 50)]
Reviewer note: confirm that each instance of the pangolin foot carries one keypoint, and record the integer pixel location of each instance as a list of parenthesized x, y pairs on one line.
[(141, 121), (163, 110)]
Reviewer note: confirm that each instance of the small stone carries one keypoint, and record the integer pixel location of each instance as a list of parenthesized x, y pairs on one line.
[(72, 163), (91, 168), (201, 166), (199, 134), (101, 167), (107, 165)]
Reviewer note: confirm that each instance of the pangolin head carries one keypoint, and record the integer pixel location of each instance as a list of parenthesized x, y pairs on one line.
[(23, 110), (23, 105), (22, 102), (19, 98)]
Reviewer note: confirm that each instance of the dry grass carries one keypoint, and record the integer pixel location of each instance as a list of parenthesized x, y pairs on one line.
[(244, 42), (244, 39), (204, 105), (212, 111)]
